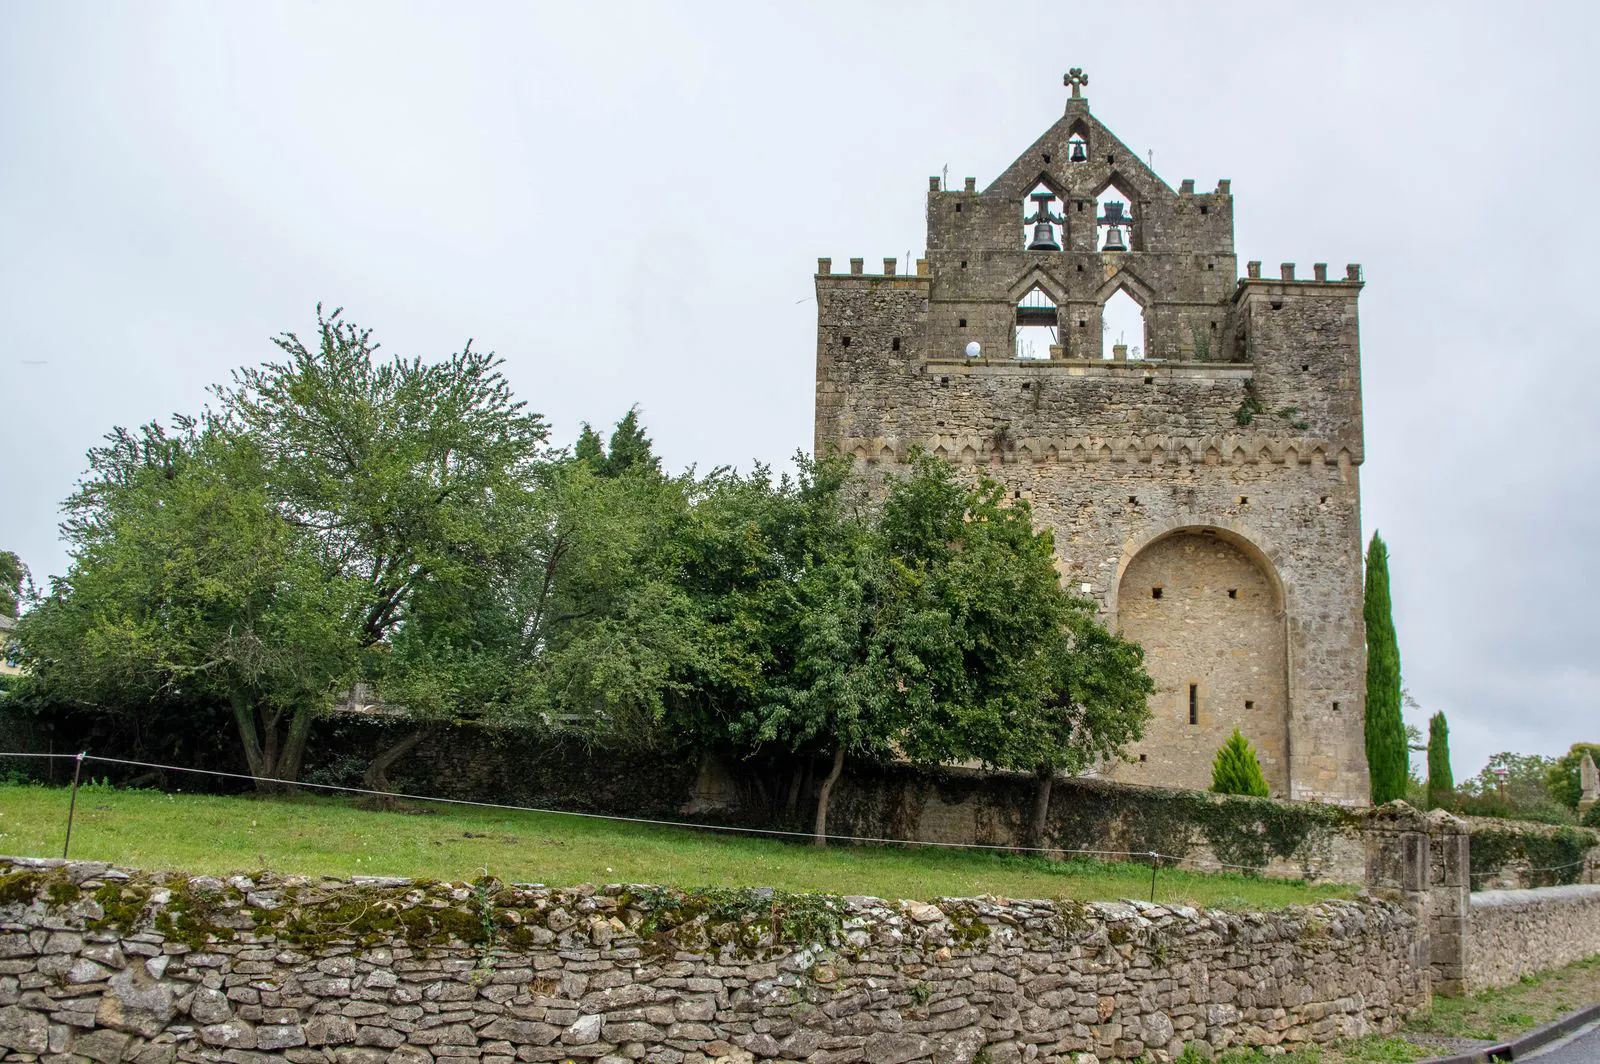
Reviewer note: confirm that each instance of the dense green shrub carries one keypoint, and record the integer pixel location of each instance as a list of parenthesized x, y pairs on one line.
[(1236, 769)]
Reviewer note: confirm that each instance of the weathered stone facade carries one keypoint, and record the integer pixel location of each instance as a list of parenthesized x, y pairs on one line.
[(1513, 933), (1206, 495), (112, 966)]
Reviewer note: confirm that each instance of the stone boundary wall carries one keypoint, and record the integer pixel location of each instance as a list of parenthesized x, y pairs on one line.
[(1515, 854), (1513, 933), (117, 966)]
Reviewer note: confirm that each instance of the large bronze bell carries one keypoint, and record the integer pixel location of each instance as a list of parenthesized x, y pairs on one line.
[(1044, 238)]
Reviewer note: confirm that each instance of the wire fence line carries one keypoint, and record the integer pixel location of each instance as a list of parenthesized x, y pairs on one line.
[(1154, 857)]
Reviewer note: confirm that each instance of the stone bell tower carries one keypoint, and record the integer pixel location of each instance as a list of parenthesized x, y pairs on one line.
[(1201, 481)]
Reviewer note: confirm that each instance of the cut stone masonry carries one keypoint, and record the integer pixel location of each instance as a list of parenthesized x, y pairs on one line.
[(1234, 444)]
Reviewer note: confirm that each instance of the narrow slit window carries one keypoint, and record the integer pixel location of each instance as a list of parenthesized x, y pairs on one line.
[(1194, 703)]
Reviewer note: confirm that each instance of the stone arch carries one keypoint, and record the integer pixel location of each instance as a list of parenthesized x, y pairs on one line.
[(1037, 277), (1209, 607), (1128, 281)]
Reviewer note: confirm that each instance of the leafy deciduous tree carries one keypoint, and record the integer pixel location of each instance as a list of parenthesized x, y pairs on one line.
[(186, 584)]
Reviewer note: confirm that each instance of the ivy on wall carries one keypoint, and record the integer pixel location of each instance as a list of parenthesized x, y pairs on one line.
[(1546, 858)]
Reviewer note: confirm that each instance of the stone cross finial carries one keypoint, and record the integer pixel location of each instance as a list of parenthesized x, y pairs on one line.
[(1075, 79)]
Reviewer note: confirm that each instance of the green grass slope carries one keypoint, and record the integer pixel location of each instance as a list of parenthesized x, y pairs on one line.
[(333, 837)]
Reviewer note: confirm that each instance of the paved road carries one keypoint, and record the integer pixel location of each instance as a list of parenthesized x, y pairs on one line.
[(1580, 1047)]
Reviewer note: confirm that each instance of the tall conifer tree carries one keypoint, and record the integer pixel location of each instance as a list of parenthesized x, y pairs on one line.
[(1441, 783), (1388, 759)]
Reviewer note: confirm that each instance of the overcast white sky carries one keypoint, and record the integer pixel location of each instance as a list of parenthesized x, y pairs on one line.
[(627, 201)]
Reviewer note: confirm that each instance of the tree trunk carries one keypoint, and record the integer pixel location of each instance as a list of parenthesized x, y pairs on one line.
[(294, 744), (792, 801), (1046, 778), (259, 759), (271, 754), (376, 777), (820, 831)]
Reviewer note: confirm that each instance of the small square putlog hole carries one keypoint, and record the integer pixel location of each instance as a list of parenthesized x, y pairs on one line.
[(1155, 592), (1233, 592)]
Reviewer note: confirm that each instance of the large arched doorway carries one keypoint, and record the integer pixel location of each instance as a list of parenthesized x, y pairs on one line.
[(1209, 614)]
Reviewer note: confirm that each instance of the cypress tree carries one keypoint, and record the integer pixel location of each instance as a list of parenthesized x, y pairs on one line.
[(1388, 759), (1236, 770), (1441, 783)]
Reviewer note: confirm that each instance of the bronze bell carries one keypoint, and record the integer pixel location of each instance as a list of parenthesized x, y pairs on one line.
[(1078, 154), (1115, 220), (1044, 238), (1044, 234)]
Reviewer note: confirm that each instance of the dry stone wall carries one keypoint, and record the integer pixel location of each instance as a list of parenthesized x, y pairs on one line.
[(1513, 933), (104, 964)]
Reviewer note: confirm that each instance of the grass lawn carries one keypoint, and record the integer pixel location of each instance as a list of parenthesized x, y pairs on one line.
[(331, 836)]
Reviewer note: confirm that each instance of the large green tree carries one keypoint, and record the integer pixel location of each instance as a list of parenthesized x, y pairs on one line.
[(933, 628), (1016, 672), (339, 516), (1441, 781), (187, 586), (1388, 759), (410, 478)]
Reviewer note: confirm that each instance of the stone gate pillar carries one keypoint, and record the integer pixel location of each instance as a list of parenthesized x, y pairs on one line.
[(1449, 901), (1398, 861)]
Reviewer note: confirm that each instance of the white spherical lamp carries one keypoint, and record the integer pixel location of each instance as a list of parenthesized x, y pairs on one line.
[(974, 349)]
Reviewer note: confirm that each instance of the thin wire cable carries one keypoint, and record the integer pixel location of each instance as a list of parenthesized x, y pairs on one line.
[(599, 816), (688, 825)]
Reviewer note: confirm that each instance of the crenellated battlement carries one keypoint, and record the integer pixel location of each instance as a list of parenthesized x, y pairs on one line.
[(1319, 271), (891, 268)]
